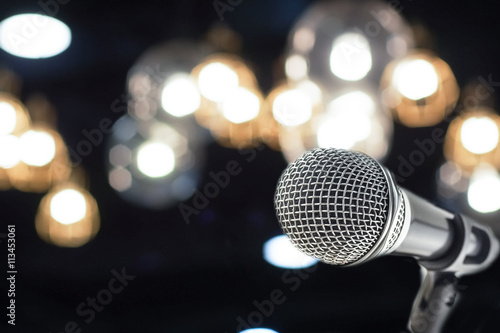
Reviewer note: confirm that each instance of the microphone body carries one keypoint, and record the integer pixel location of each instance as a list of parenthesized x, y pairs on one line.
[(344, 208)]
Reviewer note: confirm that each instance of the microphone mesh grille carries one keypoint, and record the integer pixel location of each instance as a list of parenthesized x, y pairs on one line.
[(333, 204)]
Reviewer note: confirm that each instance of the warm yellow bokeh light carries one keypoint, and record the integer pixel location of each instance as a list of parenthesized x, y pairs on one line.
[(38, 148), (68, 206), (483, 194), (350, 58), (155, 159), (416, 79), (180, 95), (292, 107), (347, 121), (480, 135), (8, 118), (217, 81), (241, 105), (9, 151)]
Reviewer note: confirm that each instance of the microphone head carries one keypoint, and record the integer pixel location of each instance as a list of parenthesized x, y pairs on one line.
[(336, 205)]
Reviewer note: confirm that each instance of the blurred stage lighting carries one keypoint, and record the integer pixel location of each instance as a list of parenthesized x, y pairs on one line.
[(259, 330), (419, 89), (34, 36), (483, 194), (341, 43), (231, 102), (290, 105), (352, 120), (280, 252), (68, 216), (43, 160), (160, 84), (474, 138), (153, 164), (451, 180)]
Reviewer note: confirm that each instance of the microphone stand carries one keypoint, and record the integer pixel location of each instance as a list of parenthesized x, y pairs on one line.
[(434, 301), (439, 293)]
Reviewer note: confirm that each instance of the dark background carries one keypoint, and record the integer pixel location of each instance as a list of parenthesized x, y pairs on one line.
[(201, 277)]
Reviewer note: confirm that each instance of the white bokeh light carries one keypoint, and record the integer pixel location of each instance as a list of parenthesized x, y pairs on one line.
[(9, 151), (38, 148), (416, 79), (180, 96), (155, 159), (240, 106), (34, 36), (296, 67), (259, 330), (68, 206), (350, 58), (483, 194), (8, 118), (292, 107), (479, 134), (217, 81), (348, 120), (280, 252)]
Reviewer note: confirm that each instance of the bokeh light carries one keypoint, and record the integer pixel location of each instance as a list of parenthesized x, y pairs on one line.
[(280, 252), (38, 148), (34, 36), (68, 206), (155, 159), (483, 194), (217, 81), (419, 89), (180, 95), (350, 58), (479, 134)]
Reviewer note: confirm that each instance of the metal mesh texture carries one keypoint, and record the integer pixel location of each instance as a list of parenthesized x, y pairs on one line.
[(333, 204), (400, 218)]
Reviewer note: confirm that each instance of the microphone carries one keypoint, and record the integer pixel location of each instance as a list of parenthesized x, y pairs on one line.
[(344, 208)]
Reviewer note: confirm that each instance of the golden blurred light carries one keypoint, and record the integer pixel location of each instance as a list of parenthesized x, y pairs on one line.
[(290, 105), (7, 118), (241, 106), (68, 206), (231, 100), (296, 67), (9, 151), (155, 159), (474, 138), (347, 121), (68, 216), (44, 161), (484, 189), (180, 95), (217, 81), (416, 79), (350, 58), (34, 36), (14, 117), (479, 134), (38, 148), (419, 89)]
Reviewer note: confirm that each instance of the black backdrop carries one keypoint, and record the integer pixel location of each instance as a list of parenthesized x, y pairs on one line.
[(203, 276)]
